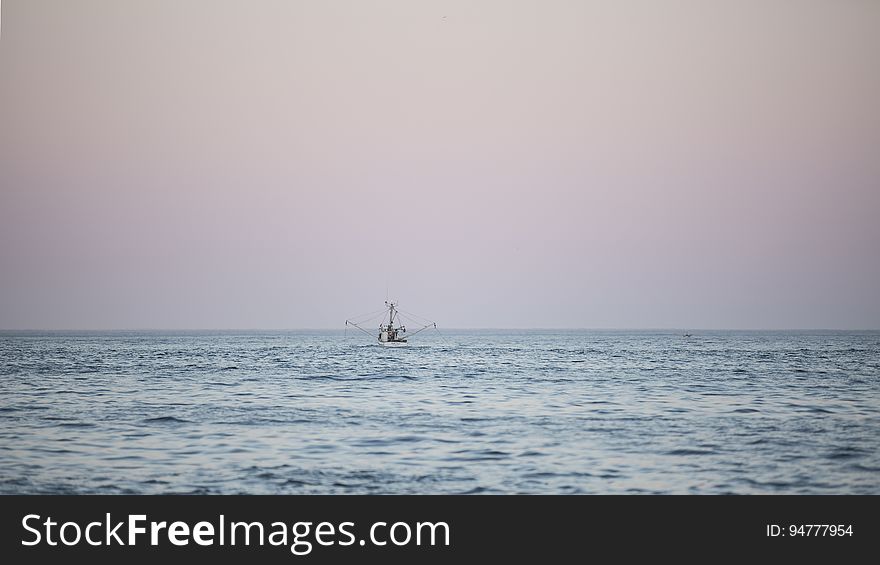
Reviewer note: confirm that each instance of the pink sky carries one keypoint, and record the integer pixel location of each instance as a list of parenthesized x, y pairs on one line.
[(275, 164)]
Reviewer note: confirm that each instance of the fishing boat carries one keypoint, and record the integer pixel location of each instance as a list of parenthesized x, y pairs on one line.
[(392, 331)]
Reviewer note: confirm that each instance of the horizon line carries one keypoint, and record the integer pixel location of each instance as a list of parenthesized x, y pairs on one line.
[(486, 328)]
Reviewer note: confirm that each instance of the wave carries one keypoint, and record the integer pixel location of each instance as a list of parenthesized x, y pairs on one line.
[(166, 420)]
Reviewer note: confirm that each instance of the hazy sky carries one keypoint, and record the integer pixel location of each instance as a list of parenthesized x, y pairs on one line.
[(547, 163)]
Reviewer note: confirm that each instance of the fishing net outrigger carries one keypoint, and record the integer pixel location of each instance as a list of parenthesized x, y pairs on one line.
[(391, 327)]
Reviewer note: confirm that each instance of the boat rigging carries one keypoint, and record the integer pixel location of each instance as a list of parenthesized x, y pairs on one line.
[(392, 331)]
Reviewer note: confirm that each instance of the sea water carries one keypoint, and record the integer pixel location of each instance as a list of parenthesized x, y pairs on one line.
[(457, 412)]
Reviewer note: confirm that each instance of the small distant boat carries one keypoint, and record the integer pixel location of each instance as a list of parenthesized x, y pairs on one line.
[(391, 329), (687, 335)]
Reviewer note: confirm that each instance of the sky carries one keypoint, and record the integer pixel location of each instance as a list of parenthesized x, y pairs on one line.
[(499, 164)]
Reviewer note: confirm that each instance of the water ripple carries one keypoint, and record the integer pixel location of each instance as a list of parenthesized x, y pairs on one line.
[(474, 412)]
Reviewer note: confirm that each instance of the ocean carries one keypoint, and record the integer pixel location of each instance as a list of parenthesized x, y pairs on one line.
[(492, 411)]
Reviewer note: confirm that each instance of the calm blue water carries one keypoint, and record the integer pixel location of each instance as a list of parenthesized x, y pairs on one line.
[(462, 412)]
